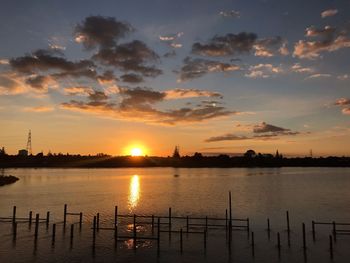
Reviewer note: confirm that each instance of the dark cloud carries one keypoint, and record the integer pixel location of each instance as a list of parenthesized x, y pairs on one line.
[(328, 39), (264, 127), (131, 78), (9, 85), (195, 68), (139, 104), (228, 45), (101, 31), (45, 60), (106, 77), (132, 56), (261, 131), (170, 54), (227, 137), (38, 82)]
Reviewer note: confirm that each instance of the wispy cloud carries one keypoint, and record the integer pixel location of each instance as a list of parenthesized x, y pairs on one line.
[(39, 109), (263, 71), (230, 13), (329, 12), (329, 39), (345, 104), (319, 75), (197, 67)]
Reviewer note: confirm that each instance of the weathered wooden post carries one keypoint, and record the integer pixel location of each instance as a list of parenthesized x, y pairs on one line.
[(287, 217), (206, 223), (65, 216), (313, 230), (14, 214), (278, 241), (47, 219), (80, 220), (331, 246), (253, 243), (152, 224), (268, 228), (205, 241), (134, 228), (36, 226), (53, 233), (30, 218), (169, 223), (230, 222), (187, 224), (71, 232), (226, 220), (248, 225), (158, 233), (304, 237), (334, 231), (14, 230), (94, 232), (115, 215), (98, 222), (181, 246)]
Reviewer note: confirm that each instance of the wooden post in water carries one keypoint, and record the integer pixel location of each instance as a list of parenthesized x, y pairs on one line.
[(47, 219), (226, 220), (313, 230), (278, 241), (205, 240), (181, 246), (206, 223), (115, 215), (288, 226), (331, 246), (187, 224), (152, 224), (53, 233), (98, 222), (94, 232), (268, 228), (65, 216), (30, 218), (304, 237), (14, 230), (248, 225), (158, 233), (169, 223), (80, 219), (334, 232), (36, 226), (14, 215), (253, 243), (134, 228), (71, 232), (230, 222)]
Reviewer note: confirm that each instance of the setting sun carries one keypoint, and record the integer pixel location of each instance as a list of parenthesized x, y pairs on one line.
[(136, 152)]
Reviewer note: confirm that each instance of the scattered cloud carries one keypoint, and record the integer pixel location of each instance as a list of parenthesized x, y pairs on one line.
[(329, 39), (39, 109), (195, 68), (342, 102), (230, 13), (172, 40), (263, 71), (11, 84), (269, 47), (170, 54), (79, 90), (265, 127), (343, 77), (329, 12), (242, 43), (4, 61), (301, 69), (345, 103)]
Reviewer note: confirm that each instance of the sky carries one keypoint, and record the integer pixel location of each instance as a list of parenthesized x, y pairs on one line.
[(209, 76)]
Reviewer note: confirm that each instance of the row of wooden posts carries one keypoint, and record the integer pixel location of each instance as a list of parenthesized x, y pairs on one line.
[(156, 222)]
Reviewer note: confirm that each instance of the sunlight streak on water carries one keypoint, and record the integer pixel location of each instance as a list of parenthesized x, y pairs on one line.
[(134, 192)]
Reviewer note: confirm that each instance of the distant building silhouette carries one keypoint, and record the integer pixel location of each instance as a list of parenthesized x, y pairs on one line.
[(250, 154), (23, 152), (29, 143), (176, 153)]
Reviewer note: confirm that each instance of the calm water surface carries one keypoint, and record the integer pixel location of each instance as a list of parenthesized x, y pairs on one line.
[(308, 193)]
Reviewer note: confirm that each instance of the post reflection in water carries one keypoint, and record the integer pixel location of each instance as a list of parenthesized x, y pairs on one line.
[(134, 192)]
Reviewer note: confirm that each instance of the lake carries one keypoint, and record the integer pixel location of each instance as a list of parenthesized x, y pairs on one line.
[(320, 194)]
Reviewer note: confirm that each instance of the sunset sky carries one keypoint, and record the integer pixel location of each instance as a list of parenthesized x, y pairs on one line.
[(210, 76)]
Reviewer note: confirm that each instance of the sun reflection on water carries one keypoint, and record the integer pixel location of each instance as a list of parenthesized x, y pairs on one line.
[(134, 192)]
